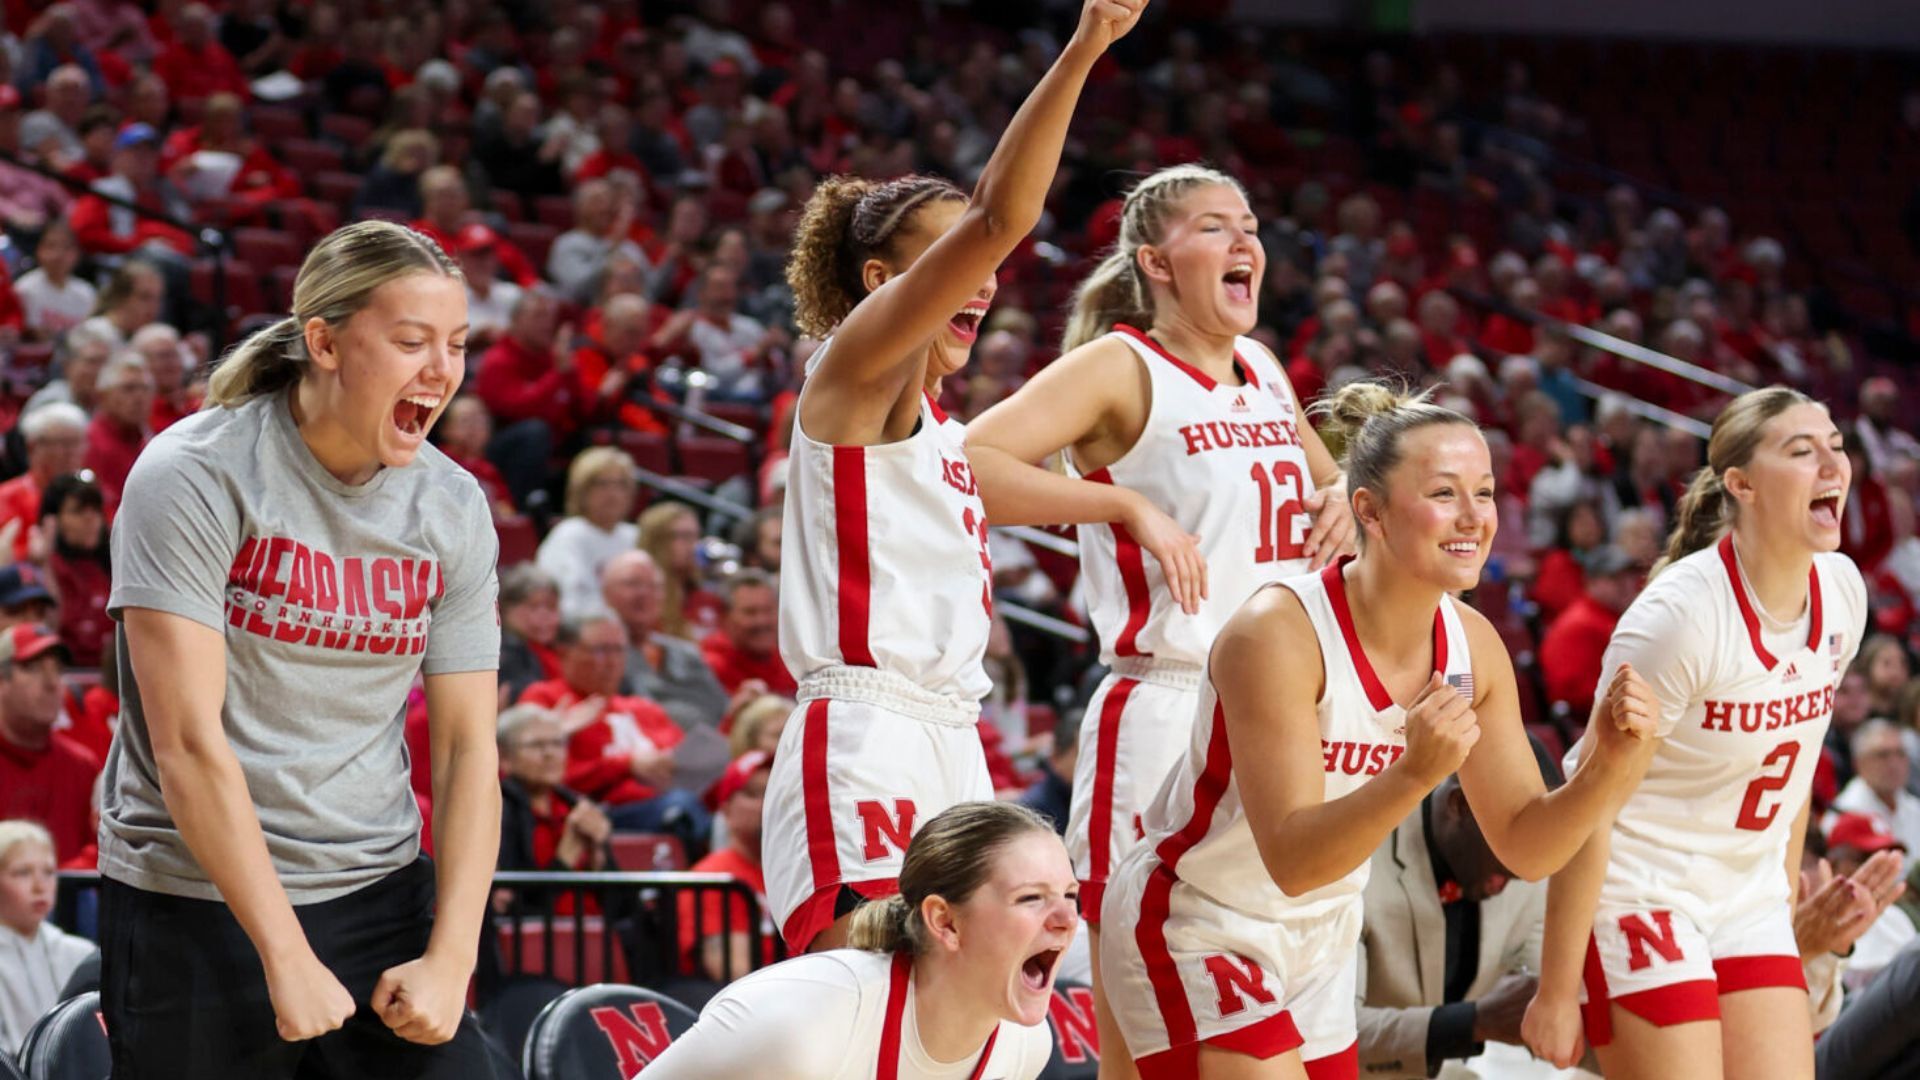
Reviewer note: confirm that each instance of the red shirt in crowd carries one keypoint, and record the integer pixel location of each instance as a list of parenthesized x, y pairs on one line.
[(53, 787), (600, 755), (1571, 650), (742, 917), (1559, 582), (518, 383), (92, 219), (20, 501), (260, 179), (83, 586), (732, 666), (111, 449), (194, 74)]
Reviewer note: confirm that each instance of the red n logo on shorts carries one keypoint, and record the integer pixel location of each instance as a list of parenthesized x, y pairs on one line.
[(638, 1035), (1232, 979), (1639, 935), (1073, 1024), (881, 828)]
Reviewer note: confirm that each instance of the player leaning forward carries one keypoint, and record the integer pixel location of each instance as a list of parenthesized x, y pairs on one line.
[(285, 563), (1333, 703)]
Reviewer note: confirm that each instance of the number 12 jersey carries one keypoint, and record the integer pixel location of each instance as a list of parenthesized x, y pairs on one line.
[(1226, 463)]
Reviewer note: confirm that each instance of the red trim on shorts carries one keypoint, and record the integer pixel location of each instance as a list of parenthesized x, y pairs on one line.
[(850, 537), (1752, 618), (1736, 973), (1662, 1006), (1100, 821), (1343, 1065), (1377, 696), (815, 913), (1205, 380), (1133, 578), (1269, 1038), (1155, 904)]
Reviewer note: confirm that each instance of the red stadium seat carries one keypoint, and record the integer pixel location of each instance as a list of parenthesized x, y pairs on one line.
[(649, 451), (264, 249), (310, 157), (533, 239), (274, 125), (714, 460), (646, 852), (508, 205), (348, 130), (338, 189), (518, 540), (587, 933), (554, 210)]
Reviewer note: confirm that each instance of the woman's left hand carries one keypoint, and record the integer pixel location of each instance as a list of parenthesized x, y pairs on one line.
[(1332, 533), (422, 1000)]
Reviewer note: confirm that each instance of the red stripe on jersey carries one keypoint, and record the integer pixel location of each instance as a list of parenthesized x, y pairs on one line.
[(850, 535), (1128, 556), (1377, 696), (1155, 905), (939, 414), (888, 1067), (1735, 973), (1100, 823), (822, 849), (1752, 618), (1206, 381)]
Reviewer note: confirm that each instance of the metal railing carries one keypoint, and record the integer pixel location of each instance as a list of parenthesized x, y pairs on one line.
[(679, 489)]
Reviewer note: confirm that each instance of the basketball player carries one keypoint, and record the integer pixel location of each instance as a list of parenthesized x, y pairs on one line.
[(1334, 702), (286, 563), (1675, 926), (950, 977), (1187, 411), (884, 616)]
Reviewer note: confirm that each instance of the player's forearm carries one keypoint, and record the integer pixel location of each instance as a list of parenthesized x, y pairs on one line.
[(466, 829), (1573, 895), (1316, 845), (1016, 493)]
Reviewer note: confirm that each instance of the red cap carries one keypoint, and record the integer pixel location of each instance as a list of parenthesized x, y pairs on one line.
[(30, 641), (725, 67), (739, 771), (9, 97), (1863, 833), (475, 237)]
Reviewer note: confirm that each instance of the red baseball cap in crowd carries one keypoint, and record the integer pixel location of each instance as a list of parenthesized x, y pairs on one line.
[(474, 238), (27, 642), (738, 772), (1861, 832)]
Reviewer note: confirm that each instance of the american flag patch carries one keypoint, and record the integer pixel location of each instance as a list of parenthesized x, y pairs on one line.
[(1836, 644), (1462, 682)]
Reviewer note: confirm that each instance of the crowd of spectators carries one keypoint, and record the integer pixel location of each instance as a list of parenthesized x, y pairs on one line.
[(619, 183)]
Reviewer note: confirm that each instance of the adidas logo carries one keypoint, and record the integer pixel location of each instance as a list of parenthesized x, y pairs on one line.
[(1240, 402), (1792, 674)]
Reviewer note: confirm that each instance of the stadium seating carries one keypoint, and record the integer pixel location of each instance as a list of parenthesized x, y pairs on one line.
[(68, 1043)]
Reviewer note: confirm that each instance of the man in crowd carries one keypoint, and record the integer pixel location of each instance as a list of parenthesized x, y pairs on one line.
[(621, 749), (1879, 786), (56, 437), (44, 776), (1573, 645), (664, 669), (746, 646), (721, 942)]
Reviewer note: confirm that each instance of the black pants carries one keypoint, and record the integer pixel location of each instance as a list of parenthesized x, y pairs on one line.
[(184, 994)]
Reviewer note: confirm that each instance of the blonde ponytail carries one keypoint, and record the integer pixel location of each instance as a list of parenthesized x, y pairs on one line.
[(882, 926), (1112, 294), (269, 360)]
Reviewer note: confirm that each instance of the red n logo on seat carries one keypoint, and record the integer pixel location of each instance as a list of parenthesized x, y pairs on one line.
[(638, 1035), (1232, 979), (1074, 1025), (1639, 935), (882, 829)]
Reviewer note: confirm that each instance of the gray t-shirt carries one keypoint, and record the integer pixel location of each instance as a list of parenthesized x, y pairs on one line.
[(332, 597)]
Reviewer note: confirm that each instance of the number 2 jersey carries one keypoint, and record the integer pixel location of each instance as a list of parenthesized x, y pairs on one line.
[(1226, 463), (1744, 707), (886, 559)]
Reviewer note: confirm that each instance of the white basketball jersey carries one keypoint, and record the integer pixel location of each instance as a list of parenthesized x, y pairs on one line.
[(1197, 825), (1226, 463), (1744, 711), (886, 559)]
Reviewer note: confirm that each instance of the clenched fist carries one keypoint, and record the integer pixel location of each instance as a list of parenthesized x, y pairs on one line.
[(1441, 731)]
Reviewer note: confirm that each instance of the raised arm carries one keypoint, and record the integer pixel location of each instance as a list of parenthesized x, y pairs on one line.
[(1268, 680), (872, 361), (180, 668)]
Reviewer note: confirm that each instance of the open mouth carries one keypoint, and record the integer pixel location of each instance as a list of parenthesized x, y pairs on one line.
[(1037, 972), (1826, 508), (410, 416), (965, 324), (1464, 549), (1239, 282)]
